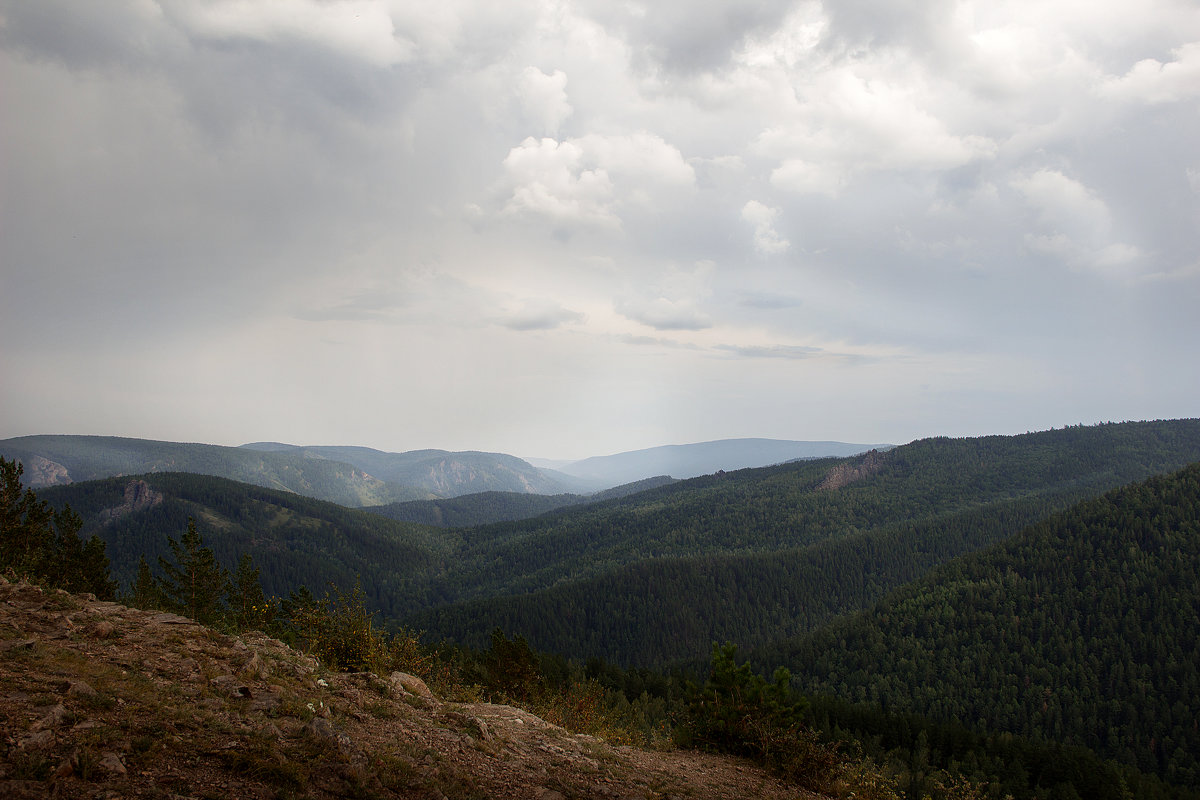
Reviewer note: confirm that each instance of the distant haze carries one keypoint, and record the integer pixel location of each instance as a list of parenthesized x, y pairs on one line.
[(703, 458)]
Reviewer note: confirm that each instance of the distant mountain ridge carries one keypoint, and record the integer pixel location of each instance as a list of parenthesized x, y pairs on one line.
[(363, 476), (704, 458), (440, 472), (349, 476)]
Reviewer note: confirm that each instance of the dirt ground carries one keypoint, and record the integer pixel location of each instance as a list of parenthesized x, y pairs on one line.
[(102, 701)]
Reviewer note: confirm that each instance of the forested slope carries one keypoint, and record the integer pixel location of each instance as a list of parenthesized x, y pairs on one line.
[(1084, 629), (54, 460), (756, 555), (485, 508), (294, 540)]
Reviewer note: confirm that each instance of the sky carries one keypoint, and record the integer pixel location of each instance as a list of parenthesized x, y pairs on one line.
[(570, 228)]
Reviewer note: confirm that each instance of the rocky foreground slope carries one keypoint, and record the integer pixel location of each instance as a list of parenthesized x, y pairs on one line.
[(102, 701)]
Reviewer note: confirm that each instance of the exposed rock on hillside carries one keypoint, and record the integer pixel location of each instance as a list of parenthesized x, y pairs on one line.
[(44, 472), (101, 701), (848, 472), (138, 497)]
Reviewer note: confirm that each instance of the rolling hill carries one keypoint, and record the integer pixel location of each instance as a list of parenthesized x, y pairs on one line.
[(757, 555), (1084, 629), (704, 458), (294, 540), (485, 508), (438, 472), (350, 476)]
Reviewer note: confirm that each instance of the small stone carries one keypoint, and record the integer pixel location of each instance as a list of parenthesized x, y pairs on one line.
[(271, 730), (256, 667), (265, 701), (38, 740), (80, 689), (111, 763), (104, 630), (411, 684), (230, 686), (318, 728), (57, 717), (550, 794)]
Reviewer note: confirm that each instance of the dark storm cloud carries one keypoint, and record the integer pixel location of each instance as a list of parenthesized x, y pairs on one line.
[(688, 37)]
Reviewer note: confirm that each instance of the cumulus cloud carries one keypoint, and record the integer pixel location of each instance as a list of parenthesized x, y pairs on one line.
[(854, 119), (588, 179), (766, 239), (1153, 82), (551, 179), (545, 97), (1076, 224)]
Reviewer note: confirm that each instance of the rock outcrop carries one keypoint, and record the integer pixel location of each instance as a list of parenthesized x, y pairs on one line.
[(853, 470), (138, 497), (102, 701)]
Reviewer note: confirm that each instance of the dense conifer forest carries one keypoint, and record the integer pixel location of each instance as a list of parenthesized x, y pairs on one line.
[(761, 554), (1084, 630)]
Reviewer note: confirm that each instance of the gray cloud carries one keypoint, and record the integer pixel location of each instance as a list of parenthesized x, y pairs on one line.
[(991, 210)]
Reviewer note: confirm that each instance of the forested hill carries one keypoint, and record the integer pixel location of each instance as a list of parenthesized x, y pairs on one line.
[(58, 460), (757, 555), (351, 476), (294, 540), (1084, 629), (484, 508)]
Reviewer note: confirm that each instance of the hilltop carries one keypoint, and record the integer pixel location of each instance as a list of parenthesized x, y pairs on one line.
[(106, 701)]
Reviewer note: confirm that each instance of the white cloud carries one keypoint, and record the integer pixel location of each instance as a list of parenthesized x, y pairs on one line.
[(766, 239), (852, 120), (545, 97), (589, 179), (797, 175), (551, 180), (1077, 224), (1064, 204), (1153, 82)]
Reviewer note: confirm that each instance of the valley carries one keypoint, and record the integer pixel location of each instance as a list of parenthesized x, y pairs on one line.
[(865, 576)]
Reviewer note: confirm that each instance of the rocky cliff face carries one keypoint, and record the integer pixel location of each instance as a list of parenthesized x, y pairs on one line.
[(41, 472), (848, 472), (102, 701), (138, 497)]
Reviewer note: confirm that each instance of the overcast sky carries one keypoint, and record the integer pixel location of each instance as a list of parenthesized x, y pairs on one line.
[(563, 229)]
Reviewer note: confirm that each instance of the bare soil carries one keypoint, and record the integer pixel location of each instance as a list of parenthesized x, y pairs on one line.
[(102, 701)]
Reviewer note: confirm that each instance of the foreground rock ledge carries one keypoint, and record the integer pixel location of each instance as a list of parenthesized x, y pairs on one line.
[(102, 701)]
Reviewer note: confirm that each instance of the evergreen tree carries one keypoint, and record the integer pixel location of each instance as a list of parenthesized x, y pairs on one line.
[(42, 545), (145, 592), (195, 584), (247, 603)]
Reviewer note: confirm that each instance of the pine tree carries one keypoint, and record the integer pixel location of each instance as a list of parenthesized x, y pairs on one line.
[(195, 584), (249, 607), (43, 545), (145, 592)]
